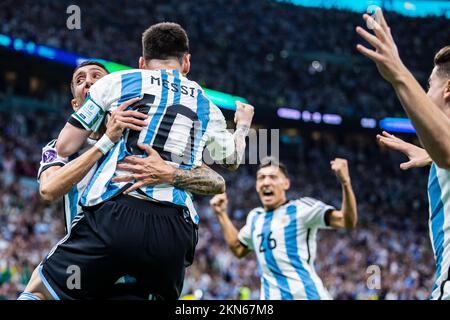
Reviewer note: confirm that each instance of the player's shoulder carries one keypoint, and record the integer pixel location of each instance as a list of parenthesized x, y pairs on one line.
[(255, 212), (308, 202), (117, 77)]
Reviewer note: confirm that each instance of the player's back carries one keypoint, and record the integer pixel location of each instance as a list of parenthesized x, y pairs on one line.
[(181, 122)]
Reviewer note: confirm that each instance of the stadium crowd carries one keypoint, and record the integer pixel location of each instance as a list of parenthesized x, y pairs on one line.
[(392, 230), (260, 49)]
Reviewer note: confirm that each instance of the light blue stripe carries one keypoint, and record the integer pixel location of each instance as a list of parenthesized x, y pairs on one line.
[(159, 111), (282, 282), (112, 188), (177, 82), (436, 220), (91, 183), (73, 202), (155, 120), (290, 238), (203, 110), (131, 86), (178, 195), (47, 285)]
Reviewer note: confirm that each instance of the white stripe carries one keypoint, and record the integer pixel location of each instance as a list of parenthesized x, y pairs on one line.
[(99, 185), (163, 193)]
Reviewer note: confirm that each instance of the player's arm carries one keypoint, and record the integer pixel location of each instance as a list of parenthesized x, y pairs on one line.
[(219, 203), (57, 181), (417, 156), (153, 170), (243, 119), (226, 148), (346, 217), (431, 124)]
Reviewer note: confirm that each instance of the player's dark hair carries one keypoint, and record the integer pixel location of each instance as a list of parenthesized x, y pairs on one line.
[(442, 62), (163, 41), (272, 161), (84, 64)]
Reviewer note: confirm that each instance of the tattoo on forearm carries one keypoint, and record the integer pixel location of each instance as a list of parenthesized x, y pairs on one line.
[(239, 140), (201, 180)]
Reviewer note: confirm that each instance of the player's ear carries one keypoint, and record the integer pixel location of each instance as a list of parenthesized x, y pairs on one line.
[(287, 184), (74, 103), (186, 66), (141, 63), (447, 92)]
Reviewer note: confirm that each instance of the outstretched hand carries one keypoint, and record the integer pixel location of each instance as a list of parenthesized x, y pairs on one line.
[(385, 52), (417, 156)]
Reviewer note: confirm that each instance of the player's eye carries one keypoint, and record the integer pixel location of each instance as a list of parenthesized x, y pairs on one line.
[(79, 80)]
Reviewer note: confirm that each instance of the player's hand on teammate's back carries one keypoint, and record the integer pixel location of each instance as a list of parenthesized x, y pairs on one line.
[(121, 119), (219, 203), (385, 54), (340, 168), (149, 171), (244, 114), (417, 156)]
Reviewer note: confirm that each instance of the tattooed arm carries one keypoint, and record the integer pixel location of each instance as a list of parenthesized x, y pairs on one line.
[(201, 180), (154, 170)]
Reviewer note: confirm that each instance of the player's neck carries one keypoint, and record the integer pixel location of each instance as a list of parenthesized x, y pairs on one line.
[(276, 206), (163, 65)]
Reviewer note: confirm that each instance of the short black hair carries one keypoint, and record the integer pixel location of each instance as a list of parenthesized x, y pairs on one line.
[(84, 64), (164, 41), (272, 161)]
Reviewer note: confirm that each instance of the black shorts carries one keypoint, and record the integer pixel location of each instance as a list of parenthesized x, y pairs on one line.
[(149, 241)]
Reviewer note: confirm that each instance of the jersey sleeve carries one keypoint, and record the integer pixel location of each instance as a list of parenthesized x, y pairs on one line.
[(245, 234), (312, 212), (220, 143), (93, 111), (50, 158)]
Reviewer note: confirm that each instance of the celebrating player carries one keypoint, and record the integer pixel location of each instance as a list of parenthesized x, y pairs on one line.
[(60, 178), (283, 232), (430, 115), (151, 233)]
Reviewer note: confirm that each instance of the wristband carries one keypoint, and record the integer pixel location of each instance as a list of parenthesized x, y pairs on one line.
[(104, 144)]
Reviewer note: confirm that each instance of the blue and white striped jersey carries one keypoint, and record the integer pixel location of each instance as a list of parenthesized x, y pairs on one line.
[(284, 241), (182, 122), (71, 200), (439, 226)]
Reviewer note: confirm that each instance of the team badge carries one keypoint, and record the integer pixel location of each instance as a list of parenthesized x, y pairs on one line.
[(49, 155)]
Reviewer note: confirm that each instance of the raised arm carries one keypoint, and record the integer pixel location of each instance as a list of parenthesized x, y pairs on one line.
[(153, 170), (431, 123), (219, 203), (347, 217), (243, 119)]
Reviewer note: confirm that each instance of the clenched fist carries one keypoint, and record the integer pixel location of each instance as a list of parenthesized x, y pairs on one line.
[(219, 203), (244, 114), (340, 168)]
